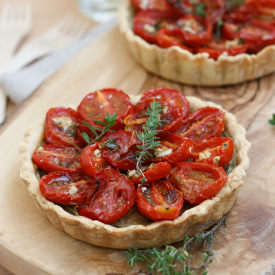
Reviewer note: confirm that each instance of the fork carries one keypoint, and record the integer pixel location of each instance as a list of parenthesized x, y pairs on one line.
[(68, 30), (15, 24)]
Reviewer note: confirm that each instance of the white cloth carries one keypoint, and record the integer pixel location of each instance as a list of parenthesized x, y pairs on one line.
[(21, 84)]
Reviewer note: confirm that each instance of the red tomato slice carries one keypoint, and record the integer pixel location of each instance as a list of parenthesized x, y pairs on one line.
[(51, 158), (91, 160), (196, 31), (113, 200), (159, 5), (216, 48), (174, 97), (119, 149), (153, 173), (173, 148), (218, 151), (60, 127), (171, 116), (69, 189), (198, 181), (204, 123), (167, 38), (147, 23), (96, 106), (159, 201)]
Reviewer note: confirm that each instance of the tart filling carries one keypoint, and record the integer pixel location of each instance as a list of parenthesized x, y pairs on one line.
[(103, 191)]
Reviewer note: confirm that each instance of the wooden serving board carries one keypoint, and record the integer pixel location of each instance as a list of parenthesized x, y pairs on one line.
[(30, 244)]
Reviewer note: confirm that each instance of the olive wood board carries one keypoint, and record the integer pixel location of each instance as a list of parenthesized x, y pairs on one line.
[(30, 244)]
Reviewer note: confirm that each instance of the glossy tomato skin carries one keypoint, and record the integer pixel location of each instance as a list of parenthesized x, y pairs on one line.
[(91, 160), (113, 199), (60, 127), (146, 22), (159, 201), (204, 123), (218, 151), (154, 172), (122, 155), (171, 116), (51, 158), (198, 181), (178, 147), (201, 33), (61, 187), (96, 106), (174, 97), (167, 38)]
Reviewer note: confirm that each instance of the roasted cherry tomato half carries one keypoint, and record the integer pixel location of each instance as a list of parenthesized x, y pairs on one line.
[(119, 149), (51, 158), (61, 125), (204, 123), (154, 172), (218, 151), (148, 23), (217, 47), (198, 181), (69, 189), (174, 97), (173, 148), (170, 115), (114, 198), (159, 201), (241, 12), (95, 106), (196, 32), (158, 5), (91, 160), (167, 38)]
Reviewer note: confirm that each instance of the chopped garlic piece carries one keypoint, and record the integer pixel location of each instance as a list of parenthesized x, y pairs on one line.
[(73, 190), (230, 43), (163, 151), (63, 122), (40, 149), (204, 155), (97, 153), (216, 160), (132, 174), (144, 4), (149, 28)]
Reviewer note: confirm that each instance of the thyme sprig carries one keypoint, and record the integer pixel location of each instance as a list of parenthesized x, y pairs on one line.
[(272, 121), (148, 136), (172, 260), (108, 122)]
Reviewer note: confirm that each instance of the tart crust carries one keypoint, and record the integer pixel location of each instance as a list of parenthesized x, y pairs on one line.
[(180, 65), (139, 236)]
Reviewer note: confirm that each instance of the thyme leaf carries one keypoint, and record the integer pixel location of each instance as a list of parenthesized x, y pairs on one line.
[(172, 260), (148, 136), (200, 9), (108, 122), (272, 121)]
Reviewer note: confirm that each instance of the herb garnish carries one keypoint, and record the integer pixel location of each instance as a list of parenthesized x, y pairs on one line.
[(110, 143), (272, 121), (200, 9), (108, 123), (148, 136), (218, 32), (172, 260)]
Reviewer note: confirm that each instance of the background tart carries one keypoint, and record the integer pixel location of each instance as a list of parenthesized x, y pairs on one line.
[(180, 65), (134, 230)]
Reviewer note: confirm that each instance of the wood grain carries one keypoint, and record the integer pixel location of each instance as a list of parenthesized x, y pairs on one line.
[(245, 246)]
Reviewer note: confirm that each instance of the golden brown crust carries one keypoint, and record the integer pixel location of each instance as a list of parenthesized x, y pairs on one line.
[(180, 65), (140, 236)]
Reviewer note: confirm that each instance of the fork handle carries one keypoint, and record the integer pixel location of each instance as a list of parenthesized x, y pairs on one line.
[(3, 104)]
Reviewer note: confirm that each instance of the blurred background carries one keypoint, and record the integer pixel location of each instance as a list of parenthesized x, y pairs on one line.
[(30, 30)]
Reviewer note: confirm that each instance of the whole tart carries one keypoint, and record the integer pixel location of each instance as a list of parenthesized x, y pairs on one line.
[(133, 230), (180, 65)]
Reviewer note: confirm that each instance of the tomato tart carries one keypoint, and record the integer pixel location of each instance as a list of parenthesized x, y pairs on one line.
[(125, 172), (202, 42)]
